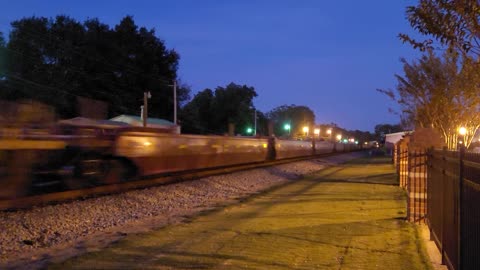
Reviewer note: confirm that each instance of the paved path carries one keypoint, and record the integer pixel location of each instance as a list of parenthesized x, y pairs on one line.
[(344, 217)]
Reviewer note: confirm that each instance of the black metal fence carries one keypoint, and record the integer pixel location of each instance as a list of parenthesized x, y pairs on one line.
[(453, 206)]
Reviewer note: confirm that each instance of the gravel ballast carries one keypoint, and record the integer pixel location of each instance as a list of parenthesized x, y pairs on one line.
[(32, 238)]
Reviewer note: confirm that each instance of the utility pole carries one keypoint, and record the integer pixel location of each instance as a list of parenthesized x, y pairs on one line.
[(146, 96), (175, 102), (255, 130)]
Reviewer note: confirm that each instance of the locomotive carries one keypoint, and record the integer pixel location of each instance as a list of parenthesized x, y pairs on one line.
[(80, 157)]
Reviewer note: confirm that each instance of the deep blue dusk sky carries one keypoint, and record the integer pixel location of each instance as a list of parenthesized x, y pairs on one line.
[(327, 55)]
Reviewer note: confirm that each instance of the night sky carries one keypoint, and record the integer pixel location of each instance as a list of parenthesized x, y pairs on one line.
[(328, 55)]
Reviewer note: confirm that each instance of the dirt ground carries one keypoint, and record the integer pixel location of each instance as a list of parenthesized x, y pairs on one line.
[(349, 216)]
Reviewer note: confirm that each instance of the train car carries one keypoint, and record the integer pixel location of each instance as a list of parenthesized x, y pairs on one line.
[(324, 147), (293, 148), (94, 155), (154, 153)]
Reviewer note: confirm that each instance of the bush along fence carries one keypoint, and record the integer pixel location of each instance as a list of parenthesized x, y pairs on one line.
[(443, 191)]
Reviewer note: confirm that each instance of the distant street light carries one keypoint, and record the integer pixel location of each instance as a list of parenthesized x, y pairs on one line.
[(305, 130), (249, 130), (339, 137), (317, 132)]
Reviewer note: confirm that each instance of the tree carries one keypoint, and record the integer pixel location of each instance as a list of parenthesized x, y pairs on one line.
[(212, 111), (382, 129), (296, 116), (3, 56), (442, 93), (56, 60), (454, 23), (196, 115)]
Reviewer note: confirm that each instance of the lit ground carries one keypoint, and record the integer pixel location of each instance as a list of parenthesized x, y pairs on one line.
[(344, 217)]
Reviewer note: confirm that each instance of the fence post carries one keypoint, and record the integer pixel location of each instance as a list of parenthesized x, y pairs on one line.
[(428, 181), (444, 161), (460, 206)]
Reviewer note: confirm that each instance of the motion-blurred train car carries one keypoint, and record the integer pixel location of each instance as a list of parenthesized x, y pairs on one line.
[(154, 153)]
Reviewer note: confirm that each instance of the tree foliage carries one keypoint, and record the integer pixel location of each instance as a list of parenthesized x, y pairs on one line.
[(56, 60), (210, 112), (454, 23), (296, 116), (442, 93)]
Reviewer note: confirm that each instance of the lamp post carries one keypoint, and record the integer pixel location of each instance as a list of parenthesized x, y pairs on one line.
[(462, 131), (461, 234)]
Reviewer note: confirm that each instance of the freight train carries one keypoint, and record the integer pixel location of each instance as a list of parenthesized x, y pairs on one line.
[(80, 157)]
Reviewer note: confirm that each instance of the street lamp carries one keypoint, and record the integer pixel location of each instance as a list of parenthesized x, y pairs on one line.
[(329, 133), (305, 130), (462, 131), (339, 137), (249, 130), (317, 132)]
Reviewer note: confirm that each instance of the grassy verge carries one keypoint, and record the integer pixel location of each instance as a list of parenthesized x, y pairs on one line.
[(344, 217)]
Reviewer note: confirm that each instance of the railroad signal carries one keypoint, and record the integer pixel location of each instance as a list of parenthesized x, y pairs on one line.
[(287, 127)]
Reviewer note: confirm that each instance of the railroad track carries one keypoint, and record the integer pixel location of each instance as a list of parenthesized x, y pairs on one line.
[(143, 182)]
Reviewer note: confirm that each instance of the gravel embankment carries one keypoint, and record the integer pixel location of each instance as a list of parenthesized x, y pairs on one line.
[(31, 238)]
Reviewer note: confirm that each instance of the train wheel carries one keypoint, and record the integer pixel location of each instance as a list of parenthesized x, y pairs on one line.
[(116, 171)]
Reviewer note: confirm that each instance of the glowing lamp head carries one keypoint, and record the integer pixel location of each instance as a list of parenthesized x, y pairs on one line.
[(462, 131), (249, 130), (287, 127), (329, 131), (305, 129), (316, 131), (339, 137)]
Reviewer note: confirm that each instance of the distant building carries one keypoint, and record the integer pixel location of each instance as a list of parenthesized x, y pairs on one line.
[(392, 138), (151, 122), (83, 121)]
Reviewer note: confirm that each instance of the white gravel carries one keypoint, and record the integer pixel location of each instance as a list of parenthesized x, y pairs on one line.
[(31, 238)]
